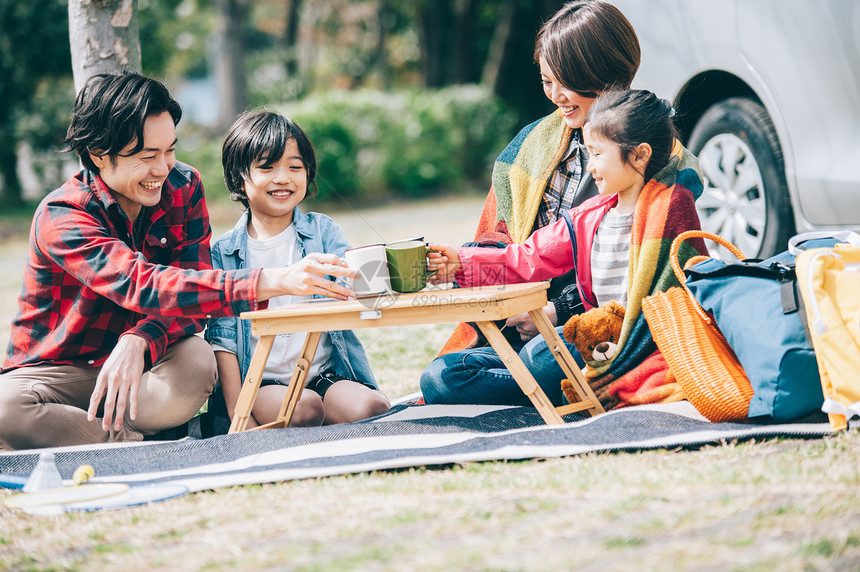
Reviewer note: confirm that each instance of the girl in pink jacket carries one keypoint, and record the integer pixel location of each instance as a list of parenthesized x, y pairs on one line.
[(617, 243)]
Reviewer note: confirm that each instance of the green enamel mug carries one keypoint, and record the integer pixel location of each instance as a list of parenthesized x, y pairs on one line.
[(407, 264)]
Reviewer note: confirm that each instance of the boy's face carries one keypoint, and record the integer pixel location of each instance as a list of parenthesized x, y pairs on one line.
[(275, 190), (136, 180)]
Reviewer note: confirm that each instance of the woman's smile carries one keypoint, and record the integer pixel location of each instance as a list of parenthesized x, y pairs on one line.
[(573, 106)]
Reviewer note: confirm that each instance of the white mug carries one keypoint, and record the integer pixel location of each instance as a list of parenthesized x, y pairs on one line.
[(372, 266)]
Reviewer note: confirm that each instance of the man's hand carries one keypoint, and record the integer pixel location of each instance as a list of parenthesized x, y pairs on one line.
[(307, 276), (525, 326), (119, 381)]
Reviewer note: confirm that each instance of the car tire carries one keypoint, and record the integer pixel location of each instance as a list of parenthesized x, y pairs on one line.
[(746, 198)]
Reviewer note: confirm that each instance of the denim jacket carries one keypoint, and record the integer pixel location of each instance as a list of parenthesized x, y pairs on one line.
[(316, 233)]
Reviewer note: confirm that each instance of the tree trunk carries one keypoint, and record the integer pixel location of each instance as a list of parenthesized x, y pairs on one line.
[(464, 30), (291, 37), (496, 54), (381, 52), (232, 15), (104, 37), (10, 185), (434, 19)]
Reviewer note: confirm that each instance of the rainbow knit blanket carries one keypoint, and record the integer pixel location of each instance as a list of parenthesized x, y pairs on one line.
[(665, 208), (524, 169), (520, 175)]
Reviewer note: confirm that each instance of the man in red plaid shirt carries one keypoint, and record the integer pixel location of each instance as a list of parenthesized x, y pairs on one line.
[(118, 280)]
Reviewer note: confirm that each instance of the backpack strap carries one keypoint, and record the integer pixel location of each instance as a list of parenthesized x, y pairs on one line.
[(796, 246)]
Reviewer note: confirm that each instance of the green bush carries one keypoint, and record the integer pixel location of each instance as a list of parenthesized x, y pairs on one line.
[(372, 143), (335, 146), (198, 148)]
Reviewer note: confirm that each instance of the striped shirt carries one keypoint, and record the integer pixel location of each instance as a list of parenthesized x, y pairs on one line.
[(610, 256), (561, 191)]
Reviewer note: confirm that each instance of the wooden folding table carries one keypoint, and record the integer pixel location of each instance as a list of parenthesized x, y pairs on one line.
[(481, 305)]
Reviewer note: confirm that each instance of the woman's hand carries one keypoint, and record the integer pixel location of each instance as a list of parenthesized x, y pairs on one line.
[(307, 276), (445, 260), (525, 326)]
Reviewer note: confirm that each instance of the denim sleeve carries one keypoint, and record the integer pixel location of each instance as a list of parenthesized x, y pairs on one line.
[(334, 242), (223, 332)]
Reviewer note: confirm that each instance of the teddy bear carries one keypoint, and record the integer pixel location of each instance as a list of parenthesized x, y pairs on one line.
[(595, 335)]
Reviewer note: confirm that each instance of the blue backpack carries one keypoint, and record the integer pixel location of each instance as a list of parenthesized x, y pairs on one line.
[(755, 304)]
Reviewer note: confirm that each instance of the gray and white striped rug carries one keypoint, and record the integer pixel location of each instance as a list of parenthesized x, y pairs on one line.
[(404, 437)]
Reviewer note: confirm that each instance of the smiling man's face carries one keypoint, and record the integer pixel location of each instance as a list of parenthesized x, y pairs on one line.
[(136, 180)]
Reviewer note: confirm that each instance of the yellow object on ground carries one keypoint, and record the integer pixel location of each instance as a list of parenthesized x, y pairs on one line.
[(829, 281), (83, 474)]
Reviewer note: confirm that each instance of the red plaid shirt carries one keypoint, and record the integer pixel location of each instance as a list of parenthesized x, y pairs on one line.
[(90, 277)]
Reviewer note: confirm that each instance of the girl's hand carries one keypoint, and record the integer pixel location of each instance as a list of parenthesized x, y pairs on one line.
[(446, 263)]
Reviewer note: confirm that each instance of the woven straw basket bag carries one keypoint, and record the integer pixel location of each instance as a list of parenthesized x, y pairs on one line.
[(697, 353)]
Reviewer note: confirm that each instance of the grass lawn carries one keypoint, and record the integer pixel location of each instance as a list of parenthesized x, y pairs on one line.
[(772, 505)]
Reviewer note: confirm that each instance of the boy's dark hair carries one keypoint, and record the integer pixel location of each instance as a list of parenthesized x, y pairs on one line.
[(110, 113), (590, 46), (636, 116), (260, 138)]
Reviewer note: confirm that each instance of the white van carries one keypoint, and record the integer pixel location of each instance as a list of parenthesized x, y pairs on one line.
[(767, 94)]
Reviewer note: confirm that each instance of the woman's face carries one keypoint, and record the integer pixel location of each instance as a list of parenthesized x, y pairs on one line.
[(573, 106)]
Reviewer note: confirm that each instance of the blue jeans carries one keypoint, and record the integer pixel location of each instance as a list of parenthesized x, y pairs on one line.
[(479, 376)]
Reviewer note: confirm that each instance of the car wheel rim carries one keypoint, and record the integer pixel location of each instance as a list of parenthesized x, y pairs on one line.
[(733, 203)]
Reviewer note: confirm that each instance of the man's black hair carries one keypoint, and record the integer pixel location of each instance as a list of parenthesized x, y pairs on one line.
[(111, 111)]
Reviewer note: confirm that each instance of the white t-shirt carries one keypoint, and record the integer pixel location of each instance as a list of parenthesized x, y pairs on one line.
[(283, 250), (610, 258)]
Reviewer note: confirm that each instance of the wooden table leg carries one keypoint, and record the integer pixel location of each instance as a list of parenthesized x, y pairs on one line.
[(297, 381), (253, 379), (588, 400), (520, 372)]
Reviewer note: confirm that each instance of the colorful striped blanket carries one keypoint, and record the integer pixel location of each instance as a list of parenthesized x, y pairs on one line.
[(523, 171), (520, 176)]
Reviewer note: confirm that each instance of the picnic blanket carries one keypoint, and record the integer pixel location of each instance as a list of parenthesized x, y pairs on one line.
[(406, 436)]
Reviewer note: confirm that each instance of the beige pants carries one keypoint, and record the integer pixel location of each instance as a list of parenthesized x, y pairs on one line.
[(46, 405)]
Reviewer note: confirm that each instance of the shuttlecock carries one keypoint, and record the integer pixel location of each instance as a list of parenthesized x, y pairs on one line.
[(83, 474), (44, 476)]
